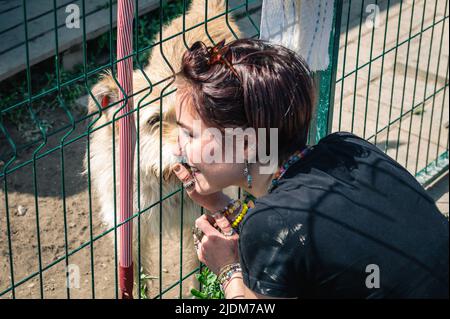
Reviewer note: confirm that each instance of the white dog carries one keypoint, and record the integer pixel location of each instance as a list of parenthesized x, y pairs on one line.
[(149, 99)]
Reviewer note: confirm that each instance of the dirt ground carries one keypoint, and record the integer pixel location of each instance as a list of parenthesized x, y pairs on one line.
[(97, 277)]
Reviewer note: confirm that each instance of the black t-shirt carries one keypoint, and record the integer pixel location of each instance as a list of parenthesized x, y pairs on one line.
[(346, 221)]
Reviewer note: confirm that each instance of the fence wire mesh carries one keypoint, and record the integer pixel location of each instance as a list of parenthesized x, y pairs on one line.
[(392, 80)]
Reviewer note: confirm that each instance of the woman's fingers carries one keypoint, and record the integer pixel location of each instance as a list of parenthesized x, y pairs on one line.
[(182, 172), (205, 226), (224, 224), (214, 249), (185, 176)]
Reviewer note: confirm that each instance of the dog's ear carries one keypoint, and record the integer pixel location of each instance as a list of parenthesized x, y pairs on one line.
[(104, 94)]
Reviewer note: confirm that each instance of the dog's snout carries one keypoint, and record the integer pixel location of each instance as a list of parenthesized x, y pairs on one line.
[(176, 149)]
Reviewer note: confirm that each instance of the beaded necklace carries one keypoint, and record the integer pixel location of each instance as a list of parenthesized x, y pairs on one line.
[(298, 155), (294, 158)]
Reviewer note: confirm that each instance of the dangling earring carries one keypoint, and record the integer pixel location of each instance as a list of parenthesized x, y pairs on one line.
[(247, 175)]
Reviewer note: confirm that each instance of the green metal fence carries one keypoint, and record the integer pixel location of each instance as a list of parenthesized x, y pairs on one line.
[(387, 81), (390, 80)]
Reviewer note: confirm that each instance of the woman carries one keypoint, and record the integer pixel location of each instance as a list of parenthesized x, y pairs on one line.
[(337, 220)]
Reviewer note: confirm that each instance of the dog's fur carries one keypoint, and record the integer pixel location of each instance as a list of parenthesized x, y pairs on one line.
[(101, 147)]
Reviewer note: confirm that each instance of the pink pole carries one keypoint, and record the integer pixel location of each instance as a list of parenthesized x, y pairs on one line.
[(127, 140)]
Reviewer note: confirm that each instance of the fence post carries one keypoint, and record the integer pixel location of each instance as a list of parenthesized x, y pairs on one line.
[(127, 138), (322, 122)]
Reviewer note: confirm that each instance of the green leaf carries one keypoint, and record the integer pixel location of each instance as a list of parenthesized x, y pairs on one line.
[(210, 285), (198, 294)]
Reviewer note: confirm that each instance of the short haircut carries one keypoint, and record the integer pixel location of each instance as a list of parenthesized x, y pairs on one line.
[(274, 89)]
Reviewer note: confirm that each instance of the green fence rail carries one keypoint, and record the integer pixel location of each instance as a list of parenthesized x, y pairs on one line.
[(392, 80), (387, 82)]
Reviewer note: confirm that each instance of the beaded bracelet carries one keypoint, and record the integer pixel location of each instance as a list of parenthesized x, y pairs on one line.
[(227, 283), (232, 207), (241, 215), (236, 206), (227, 272)]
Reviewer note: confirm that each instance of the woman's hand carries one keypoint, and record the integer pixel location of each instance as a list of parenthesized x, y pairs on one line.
[(212, 202), (215, 249)]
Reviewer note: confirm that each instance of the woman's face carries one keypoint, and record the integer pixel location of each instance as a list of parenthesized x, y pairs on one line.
[(204, 150)]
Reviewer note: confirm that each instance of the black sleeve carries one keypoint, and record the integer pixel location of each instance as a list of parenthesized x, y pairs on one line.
[(266, 256)]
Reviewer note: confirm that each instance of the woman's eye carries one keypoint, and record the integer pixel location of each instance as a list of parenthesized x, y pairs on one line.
[(153, 120), (187, 133)]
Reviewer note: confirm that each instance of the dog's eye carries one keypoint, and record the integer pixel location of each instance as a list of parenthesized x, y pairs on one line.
[(153, 120)]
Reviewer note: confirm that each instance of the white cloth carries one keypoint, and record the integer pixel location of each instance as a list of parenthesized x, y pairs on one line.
[(303, 26)]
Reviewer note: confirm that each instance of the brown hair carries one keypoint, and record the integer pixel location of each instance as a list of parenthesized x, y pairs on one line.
[(273, 89)]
